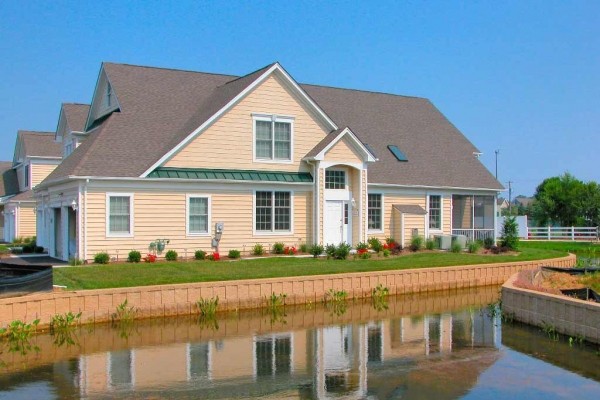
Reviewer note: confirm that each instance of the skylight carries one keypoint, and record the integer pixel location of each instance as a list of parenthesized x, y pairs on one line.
[(400, 156)]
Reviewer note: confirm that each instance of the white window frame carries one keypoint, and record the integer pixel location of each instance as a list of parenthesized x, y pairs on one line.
[(441, 228), (109, 234), (336, 170), (272, 119), (27, 175), (187, 214), (272, 232), (369, 230)]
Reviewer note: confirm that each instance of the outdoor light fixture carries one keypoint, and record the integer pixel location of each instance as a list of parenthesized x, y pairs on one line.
[(74, 205), (353, 202)]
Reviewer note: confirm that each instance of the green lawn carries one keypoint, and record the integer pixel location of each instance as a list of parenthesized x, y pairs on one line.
[(571, 247), (124, 275)]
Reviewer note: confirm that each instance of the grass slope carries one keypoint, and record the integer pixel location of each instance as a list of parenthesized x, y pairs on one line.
[(125, 275), (571, 247)]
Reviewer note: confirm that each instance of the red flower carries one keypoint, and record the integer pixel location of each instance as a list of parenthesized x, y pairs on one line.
[(216, 256), (386, 246), (362, 251), (150, 258)]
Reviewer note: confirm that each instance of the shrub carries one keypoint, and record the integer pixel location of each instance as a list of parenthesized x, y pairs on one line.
[(386, 253), (27, 240), (28, 248), (362, 246), (330, 250), (199, 254), (363, 254), (214, 256), (258, 250), (18, 240), (233, 254), (38, 249), (303, 248), (488, 242), (150, 258), (171, 255), (134, 256), (510, 234), (430, 244), (341, 251), (390, 241), (416, 243), (395, 248), (316, 250), (456, 247), (278, 248), (102, 258), (375, 244), (473, 247)]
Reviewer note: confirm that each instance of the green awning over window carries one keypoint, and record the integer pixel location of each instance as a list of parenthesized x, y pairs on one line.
[(231, 174)]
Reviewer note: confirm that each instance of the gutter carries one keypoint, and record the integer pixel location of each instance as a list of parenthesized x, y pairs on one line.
[(391, 185)]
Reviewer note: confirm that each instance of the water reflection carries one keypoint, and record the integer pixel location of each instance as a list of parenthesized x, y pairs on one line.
[(428, 346)]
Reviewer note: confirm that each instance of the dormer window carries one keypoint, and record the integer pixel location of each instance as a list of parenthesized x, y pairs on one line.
[(108, 95), (273, 138)]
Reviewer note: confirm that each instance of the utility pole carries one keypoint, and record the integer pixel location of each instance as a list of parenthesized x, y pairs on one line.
[(510, 197), (497, 152)]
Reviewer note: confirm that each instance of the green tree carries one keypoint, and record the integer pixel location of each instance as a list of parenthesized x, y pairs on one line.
[(567, 201)]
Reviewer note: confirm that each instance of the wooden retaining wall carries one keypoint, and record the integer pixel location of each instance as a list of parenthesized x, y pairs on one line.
[(568, 315), (180, 299)]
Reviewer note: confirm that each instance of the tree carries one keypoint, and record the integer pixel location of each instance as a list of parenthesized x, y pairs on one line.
[(567, 201), (510, 233)]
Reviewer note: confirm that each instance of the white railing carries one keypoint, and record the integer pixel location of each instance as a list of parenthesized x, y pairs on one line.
[(562, 233), (474, 234)]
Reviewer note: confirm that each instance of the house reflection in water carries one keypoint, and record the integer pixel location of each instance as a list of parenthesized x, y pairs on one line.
[(326, 362)]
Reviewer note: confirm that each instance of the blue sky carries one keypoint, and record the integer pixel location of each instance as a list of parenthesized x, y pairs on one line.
[(519, 76)]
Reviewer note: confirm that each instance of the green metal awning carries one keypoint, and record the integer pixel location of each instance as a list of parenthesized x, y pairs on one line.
[(231, 174)]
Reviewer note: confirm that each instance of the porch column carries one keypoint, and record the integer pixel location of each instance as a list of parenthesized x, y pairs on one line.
[(64, 226)]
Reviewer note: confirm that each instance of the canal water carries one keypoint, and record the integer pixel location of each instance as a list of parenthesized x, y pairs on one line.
[(442, 345)]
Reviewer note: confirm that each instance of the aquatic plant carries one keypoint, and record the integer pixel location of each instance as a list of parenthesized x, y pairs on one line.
[(379, 297), (62, 327), (550, 330), (17, 335), (276, 300), (208, 307), (335, 296), (124, 313)]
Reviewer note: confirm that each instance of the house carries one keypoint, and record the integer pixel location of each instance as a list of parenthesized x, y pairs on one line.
[(167, 154), (523, 201), (501, 205), (36, 155), (8, 188)]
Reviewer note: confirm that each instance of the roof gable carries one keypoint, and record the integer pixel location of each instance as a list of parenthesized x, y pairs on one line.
[(331, 140), (104, 99), (234, 91), (35, 144)]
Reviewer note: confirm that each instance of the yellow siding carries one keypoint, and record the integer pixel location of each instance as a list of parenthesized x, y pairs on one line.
[(150, 365), (239, 349), (447, 214), (228, 143), (163, 215), (342, 151), (39, 172), (391, 219), (26, 221)]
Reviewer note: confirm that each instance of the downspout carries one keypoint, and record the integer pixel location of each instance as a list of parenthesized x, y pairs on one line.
[(315, 234), (85, 214), (79, 211)]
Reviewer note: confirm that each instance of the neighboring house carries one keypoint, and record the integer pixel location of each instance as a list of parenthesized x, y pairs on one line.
[(36, 155), (169, 153), (8, 188), (501, 205), (523, 201)]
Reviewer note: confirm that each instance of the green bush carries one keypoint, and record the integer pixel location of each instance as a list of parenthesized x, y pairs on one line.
[(342, 251), (456, 247), (488, 243), (199, 254), (416, 243), (316, 250), (234, 254), (430, 244), (366, 255), (330, 250), (473, 247), (258, 250), (38, 249), (171, 255), (102, 258), (375, 244), (303, 248), (386, 253), (362, 246), (134, 256), (278, 248), (510, 234), (390, 241)]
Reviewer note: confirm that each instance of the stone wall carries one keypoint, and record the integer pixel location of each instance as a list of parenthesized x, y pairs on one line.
[(567, 315), (180, 299)]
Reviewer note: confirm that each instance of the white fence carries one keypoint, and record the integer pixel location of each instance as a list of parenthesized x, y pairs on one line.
[(563, 233), (474, 234)]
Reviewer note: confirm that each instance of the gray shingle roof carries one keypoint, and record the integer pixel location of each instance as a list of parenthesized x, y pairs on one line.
[(76, 115), (160, 107), (8, 179), (39, 144)]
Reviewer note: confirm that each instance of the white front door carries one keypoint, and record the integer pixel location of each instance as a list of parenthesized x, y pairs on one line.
[(336, 222)]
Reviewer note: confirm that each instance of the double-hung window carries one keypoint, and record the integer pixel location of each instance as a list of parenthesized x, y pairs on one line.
[(273, 211), (120, 213), (435, 212), (198, 215), (273, 138), (375, 212)]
